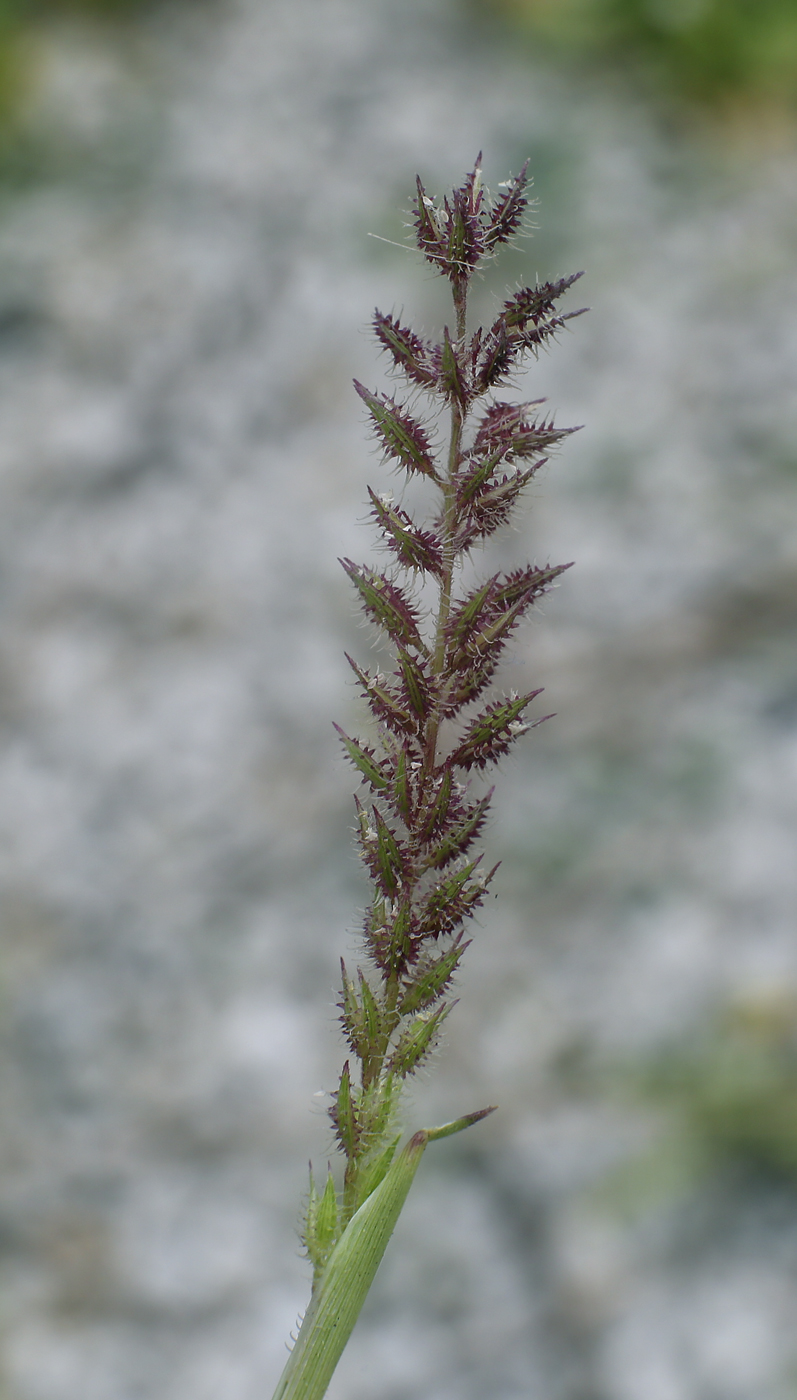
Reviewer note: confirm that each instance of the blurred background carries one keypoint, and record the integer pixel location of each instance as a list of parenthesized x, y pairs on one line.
[(186, 278)]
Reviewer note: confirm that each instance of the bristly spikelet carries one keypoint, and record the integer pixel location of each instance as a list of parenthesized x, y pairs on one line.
[(410, 354), (401, 436), (417, 822)]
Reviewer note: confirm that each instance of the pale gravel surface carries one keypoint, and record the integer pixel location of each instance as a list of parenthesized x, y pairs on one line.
[(182, 461)]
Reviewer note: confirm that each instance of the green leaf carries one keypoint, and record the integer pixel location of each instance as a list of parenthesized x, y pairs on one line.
[(341, 1287), (372, 1174)]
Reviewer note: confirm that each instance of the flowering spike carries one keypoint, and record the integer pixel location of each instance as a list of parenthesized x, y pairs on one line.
[(455, 237), (468, 683), (375, 932), (402, 951), (321, 1222), (475, 479), (351, 1013), (526, 321), (374, 1172), (489, 640), (472, 186), (465, 234), (418, 832), (310, 1217), (530, 581), (463, 615)]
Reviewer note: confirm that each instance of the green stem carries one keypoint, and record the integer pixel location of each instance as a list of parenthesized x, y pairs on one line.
[(449, 554), (342, 1287)]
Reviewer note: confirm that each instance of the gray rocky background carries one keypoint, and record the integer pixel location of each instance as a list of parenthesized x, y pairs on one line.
[(185, 278)]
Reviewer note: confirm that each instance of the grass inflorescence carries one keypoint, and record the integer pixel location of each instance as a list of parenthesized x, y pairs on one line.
[(438, 724)]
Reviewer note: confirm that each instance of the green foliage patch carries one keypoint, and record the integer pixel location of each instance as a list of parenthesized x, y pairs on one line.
[(716, 52), (20, 21), (736, 1090)]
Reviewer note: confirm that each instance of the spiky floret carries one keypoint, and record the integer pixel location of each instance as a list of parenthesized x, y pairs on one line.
[(401, 436), (457, 235), (418, 821), (411, 354)]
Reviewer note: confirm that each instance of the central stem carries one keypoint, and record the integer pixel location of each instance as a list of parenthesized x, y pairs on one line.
[(449, 490)]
